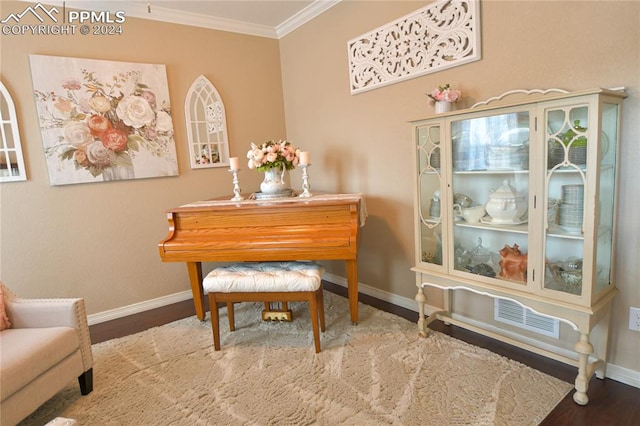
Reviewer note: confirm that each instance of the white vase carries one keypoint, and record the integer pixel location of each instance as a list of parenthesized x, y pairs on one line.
[(275, 181), (118, 172), (443, 106)]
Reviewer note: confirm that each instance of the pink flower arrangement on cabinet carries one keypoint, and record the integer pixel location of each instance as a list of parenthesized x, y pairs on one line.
[(443, 93)]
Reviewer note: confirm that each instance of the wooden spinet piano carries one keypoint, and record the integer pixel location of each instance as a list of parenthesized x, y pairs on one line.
[(315, 228)]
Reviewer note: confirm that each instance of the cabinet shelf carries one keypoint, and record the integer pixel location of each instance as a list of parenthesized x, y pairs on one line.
[(489, 172), (557, 232), (521, 228), (561, 287), (568, 170)]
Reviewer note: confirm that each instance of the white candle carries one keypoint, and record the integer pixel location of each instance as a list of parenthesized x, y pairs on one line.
[(304, 158), (234, 164)]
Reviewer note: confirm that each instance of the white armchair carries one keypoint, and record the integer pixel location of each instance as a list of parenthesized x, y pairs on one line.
[(46, 347)]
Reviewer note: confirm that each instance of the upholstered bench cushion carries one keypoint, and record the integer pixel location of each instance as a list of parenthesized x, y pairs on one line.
[(261, 277)]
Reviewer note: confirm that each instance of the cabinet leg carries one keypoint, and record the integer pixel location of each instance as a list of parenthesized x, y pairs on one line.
[(584, 349), (421, 299), (448, 302), (423, 323), (601, 344)]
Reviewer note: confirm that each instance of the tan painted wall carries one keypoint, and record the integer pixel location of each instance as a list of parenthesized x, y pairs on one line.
[(99, 240), (363, 143)]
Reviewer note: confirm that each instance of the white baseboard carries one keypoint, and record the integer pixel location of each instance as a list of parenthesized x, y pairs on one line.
[(614, 372), (403, 302), (623, 375), (136, 308)]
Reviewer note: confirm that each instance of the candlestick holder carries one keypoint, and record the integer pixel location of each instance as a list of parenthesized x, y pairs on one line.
[(305, 181), (236, 186)]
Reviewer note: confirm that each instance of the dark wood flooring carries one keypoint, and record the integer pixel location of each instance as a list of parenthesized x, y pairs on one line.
[(610, 402)]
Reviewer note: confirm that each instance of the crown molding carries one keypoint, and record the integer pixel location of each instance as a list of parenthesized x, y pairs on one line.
[(305, 15), (159, 13)]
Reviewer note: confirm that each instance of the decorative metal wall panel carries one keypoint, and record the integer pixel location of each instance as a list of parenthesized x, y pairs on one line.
[(215, 117), (441, 35), (206, 125)]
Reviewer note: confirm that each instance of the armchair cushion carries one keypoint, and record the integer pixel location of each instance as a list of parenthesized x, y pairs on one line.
[(28, 353)]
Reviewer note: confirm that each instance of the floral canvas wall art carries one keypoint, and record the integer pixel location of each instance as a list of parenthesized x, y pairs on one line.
[(103, 120)]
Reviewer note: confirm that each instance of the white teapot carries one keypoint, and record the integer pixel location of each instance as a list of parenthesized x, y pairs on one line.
[(505, 205)]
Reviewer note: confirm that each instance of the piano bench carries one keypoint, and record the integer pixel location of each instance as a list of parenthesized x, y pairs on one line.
[(265, 282)]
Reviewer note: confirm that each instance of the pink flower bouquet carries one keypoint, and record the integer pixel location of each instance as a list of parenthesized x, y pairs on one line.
[(282, 155), (443, 93)]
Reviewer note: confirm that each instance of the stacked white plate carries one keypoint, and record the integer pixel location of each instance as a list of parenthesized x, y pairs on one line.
[(571, 209)]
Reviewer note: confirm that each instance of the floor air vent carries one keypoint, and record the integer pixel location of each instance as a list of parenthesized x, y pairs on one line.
[(511, 313)]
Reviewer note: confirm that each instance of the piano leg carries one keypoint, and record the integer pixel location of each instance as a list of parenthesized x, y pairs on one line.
[(352, 280), (195, 278)]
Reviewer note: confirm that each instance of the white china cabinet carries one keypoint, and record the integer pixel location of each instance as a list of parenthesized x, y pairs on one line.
[(515, 199)]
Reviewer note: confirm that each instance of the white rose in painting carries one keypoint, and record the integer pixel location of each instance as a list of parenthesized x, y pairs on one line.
[(135, 111), (99, 155), (100, 104), (163, 122), (77, 133)]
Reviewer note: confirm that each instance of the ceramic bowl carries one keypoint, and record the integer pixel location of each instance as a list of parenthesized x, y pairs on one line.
[(473, 214)]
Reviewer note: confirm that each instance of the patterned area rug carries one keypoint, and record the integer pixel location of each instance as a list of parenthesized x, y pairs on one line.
[(376, 373)]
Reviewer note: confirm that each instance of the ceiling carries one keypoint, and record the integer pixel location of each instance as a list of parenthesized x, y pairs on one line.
[(266, 18), (269, 13)]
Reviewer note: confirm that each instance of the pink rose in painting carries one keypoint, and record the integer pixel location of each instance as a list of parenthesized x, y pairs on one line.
[(98, 124), (71, 84), (150, 97), (135, 111), (150, 133), (99, 155), (80, 157), (63, 105), (100, 104), (115, 140), (77, 133)]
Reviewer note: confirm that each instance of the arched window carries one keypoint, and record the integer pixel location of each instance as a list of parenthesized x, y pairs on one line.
[(11, 160), (206, 125)]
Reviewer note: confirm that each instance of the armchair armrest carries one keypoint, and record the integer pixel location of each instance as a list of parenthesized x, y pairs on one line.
[(43, 313)]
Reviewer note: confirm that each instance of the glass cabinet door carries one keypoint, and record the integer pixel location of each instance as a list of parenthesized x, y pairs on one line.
[(605, 213), (570, 144), (490, 193), (566, 132), (429, 192)]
